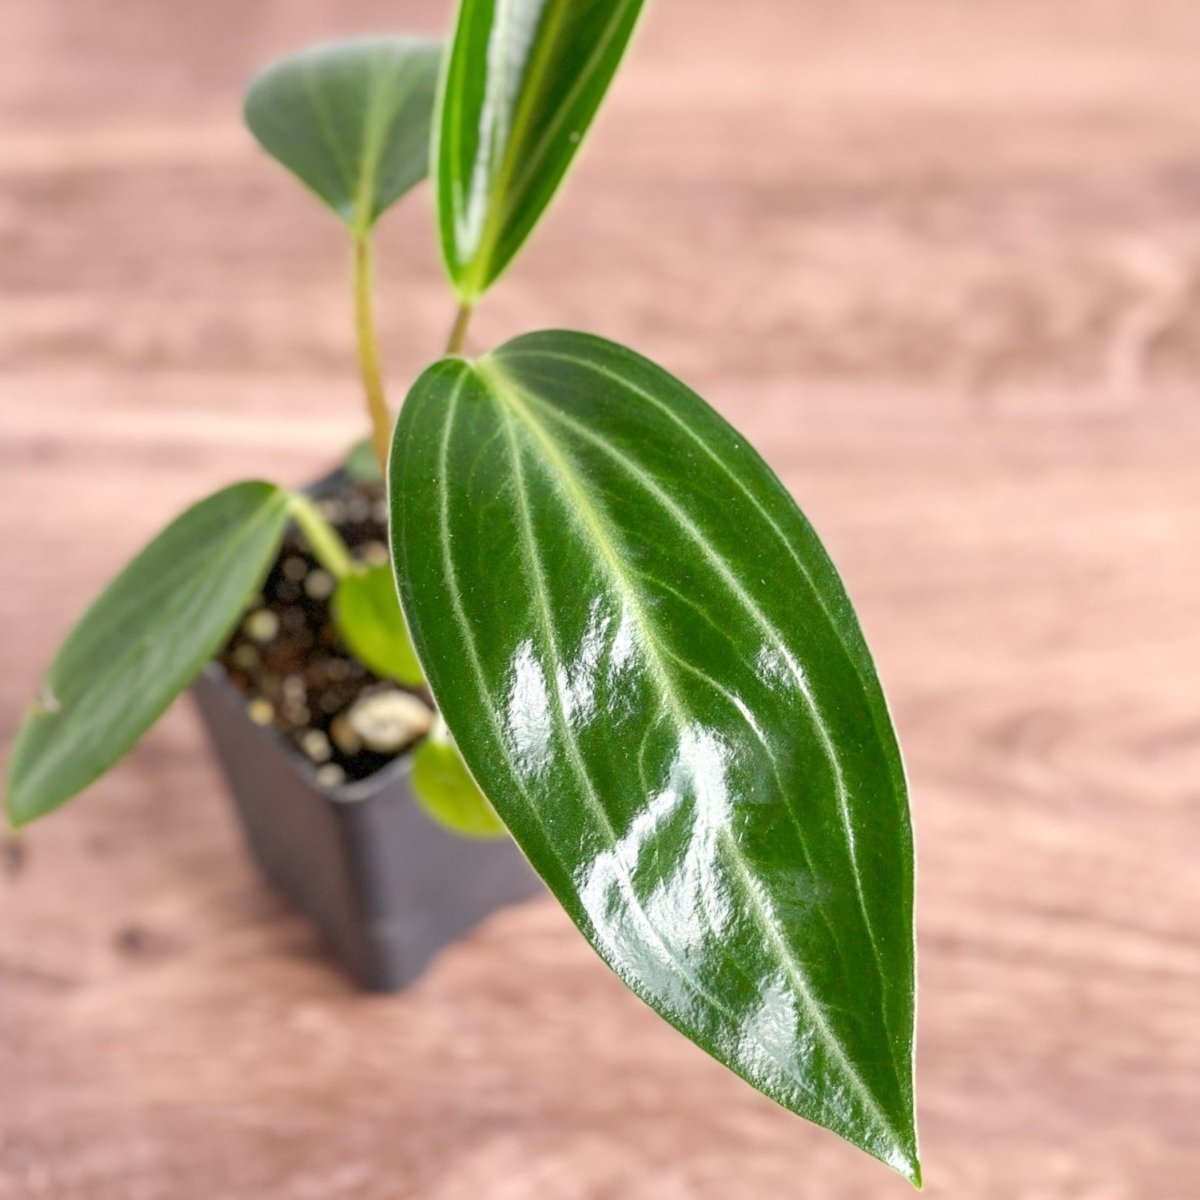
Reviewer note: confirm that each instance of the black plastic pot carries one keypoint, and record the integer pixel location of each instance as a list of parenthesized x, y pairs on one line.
[(386, 885)]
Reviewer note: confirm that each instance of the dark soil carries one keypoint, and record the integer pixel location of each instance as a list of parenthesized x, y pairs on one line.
[(286, 657)]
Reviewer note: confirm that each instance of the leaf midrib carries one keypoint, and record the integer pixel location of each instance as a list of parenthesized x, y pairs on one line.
[(475, 281), (83, 727), (118, 616), (743, 597), (507, 391), (768, 627), (679, 714), (316, 97), (566, 105), (503, 201), (624, 382), (386, 101), (604, 537)]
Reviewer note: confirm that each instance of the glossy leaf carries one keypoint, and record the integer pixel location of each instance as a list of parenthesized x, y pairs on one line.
[(444, 788), (523, 82), (351, 119), (369, 619), (142, 642), (654, 673)]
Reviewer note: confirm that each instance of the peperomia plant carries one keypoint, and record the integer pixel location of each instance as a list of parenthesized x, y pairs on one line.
[(645, 657)]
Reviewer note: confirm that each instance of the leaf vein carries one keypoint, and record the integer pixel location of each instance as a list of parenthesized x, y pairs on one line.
[(506, 390)]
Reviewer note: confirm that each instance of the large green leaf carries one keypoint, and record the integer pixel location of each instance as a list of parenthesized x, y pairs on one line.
[(523, 82), (351, 119), (655, 675), (142, 642)]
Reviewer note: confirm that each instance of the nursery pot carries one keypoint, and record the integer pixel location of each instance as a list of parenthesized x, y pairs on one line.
[(385, 884)]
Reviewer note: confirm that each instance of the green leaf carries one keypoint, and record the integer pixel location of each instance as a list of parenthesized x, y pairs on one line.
[(142, 642), (369, 619), (351, 119), (655, 675), (523, 82), (446, 791), (361, 464)]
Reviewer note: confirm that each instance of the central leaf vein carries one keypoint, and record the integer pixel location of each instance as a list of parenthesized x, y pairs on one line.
[(508, 393)]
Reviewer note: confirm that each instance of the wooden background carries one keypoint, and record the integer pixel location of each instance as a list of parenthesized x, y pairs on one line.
[(939, 260)]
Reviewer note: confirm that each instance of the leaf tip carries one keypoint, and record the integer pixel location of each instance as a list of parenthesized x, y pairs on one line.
[(21, 802), (906, 1161), (17, 811), (913, 1174), (16, 820)]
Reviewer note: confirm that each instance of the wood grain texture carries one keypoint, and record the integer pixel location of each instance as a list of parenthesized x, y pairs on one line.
[(940, 262)]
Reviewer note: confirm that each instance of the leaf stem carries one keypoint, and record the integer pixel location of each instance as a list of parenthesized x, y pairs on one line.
[(458, 332), (327, 545), (368, 348)]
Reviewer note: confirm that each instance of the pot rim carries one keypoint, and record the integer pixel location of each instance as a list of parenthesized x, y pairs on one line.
[(353, 791)]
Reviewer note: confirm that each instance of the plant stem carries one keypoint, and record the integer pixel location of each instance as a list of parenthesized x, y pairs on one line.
[(327, 545), (368, 349), (458, 333)]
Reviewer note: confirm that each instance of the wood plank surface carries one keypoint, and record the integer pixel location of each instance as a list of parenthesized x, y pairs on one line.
[(940, 261)]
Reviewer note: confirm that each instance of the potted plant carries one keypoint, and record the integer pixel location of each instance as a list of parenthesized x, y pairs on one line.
[(593, 620)]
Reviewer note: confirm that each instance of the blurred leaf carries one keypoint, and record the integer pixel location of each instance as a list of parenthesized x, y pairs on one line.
[(367, 614), (523, 82), (351, 119), (656, 677), (362, 464), (142, 642), (446, 791)]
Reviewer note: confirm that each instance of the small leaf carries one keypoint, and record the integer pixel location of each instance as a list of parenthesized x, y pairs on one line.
[(655, 675), (523, 82), (351, 119), (369, 619), (361, 463), (446, 791), (142, 642)]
